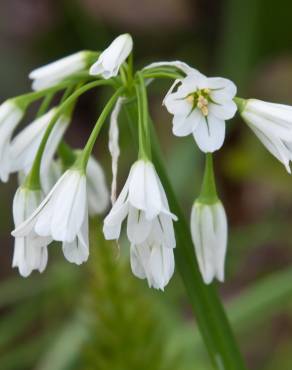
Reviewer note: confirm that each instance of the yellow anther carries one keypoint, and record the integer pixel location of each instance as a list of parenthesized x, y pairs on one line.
[(190, 99), (205, 111)]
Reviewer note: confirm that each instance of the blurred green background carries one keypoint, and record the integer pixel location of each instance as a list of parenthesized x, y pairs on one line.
[(99, 316)]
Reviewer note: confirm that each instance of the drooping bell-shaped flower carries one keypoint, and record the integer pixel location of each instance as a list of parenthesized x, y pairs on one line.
[(63, 216), (24, 146), (272, 124), (10, 115), (30, 252), (111, 59), (149, 224), (209, 234), (53, 73), (209, 229), (200, 106)]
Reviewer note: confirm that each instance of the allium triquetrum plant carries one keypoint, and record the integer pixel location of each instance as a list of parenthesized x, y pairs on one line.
[(56, 196)]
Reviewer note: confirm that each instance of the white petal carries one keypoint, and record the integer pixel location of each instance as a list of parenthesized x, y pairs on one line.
[(54, 140), (50, 176), (203, 237), (54, 72), (78, 251), (97, 192), (185, 125), (113, 145), (113, 222), (10, 116), (138, 227), (176, 103), (69, 208), (139, 256), (161, 265), (222, 85), (119, 211), (220, 245), (144, 193), (274, 145), (25, 145), (177, 64), (113, 57), (210, 134), (224, 111)]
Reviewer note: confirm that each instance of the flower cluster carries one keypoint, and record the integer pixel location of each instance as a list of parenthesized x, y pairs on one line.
[(60, 188)]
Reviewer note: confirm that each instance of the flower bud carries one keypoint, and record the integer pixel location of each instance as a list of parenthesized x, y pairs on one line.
[(53, 73), (209, 234), (110, 60)]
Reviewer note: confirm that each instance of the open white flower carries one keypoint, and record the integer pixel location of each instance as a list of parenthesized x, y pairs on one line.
[(110, 60), (97, 191), (30, 253), (53, 73), (149, 224), (63, 216), (209, 234), (24, 146), (272, 124), (200, 106), (10, 116)]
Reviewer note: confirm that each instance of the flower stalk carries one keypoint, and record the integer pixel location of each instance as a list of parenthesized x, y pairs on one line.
[(33, 179), (81, 161), (210, 314)]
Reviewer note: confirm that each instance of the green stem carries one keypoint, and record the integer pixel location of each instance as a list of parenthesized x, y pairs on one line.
[(211, 318), (45, 104), (144, 139), (67, 155), (33, 179), (208, 193), (82, 160), (26, 99), (241, 103)]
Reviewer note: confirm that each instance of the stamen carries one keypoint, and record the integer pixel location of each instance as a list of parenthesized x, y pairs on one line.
[(190, 99), (203, 105)]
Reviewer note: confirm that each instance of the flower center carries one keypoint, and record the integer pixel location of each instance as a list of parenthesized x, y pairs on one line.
[(200, 99)]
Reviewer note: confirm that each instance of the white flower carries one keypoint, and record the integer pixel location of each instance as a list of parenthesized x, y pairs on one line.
[(200, 107), (110, 60), (25, 145), (30, 253), (272, 124), (209, 234), (10, 116), (97, 192), (53, 73), (63, 216), (149, 224)]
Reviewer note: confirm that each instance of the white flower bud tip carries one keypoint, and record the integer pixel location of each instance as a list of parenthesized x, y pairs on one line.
[(111, 59)]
